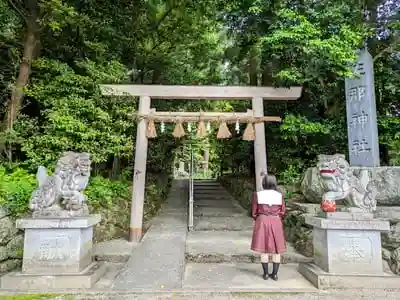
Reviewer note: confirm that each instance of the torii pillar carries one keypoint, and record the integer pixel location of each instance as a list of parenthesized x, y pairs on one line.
[(260, 149), (139, 173)]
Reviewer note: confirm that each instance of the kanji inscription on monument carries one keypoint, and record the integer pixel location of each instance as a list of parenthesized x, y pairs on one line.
[(362, 128), (53, 249), (356, 250)]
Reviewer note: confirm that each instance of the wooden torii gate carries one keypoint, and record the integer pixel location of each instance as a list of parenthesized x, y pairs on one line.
[(146, 92)]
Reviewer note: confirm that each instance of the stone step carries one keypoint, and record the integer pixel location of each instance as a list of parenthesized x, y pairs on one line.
[(206, 180), (229, 246), (205, 203), (107, 280), (207, 190), (231, 223), (208, 187), (218, 211), (211, 193), (206, 184), (232, 276), (231, 200), (214, 197), (116, 251), (215, 200)]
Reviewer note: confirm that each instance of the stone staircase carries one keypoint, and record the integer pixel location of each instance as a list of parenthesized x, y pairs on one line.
[(223, 229), (216, 210)]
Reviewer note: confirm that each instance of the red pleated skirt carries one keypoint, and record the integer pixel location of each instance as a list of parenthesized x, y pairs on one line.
[(268, 235)]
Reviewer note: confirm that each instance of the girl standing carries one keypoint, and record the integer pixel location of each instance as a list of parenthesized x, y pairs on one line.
[(268, 209)]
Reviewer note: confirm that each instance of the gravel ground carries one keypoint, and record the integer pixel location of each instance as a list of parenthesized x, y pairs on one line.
[(331, 295)]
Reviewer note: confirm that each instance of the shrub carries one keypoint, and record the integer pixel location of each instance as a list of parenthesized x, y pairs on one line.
[(109, 198), (104, 193), (16, 187)]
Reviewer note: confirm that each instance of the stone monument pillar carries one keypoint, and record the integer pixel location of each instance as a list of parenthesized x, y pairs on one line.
[(362, 125), (58, 235)]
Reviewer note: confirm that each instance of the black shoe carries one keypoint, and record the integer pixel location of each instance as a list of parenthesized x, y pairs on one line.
[(275, 269), (265, 268)]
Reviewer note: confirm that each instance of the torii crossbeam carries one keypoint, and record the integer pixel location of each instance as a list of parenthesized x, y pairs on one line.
[(146, 92)]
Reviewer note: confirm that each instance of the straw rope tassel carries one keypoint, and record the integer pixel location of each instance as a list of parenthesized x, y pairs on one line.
[(249, 133), (223, 131), (201, 129), (179, 131), (151, 129)]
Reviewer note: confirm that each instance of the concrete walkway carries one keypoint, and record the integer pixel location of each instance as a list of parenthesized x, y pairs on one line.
[(218, 254), (223, 229), (215, 256), (158, 262)]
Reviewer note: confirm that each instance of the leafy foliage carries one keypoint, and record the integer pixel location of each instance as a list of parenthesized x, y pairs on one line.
[(16, 188), (74, 115), (105, 193), (53, 55)]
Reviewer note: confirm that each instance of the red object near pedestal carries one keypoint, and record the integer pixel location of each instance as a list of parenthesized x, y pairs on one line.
[(328, 206)]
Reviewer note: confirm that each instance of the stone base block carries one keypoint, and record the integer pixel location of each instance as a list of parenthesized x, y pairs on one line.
[(340, 215), (324, 280), (83, 280), (348, 246), (57, 245)]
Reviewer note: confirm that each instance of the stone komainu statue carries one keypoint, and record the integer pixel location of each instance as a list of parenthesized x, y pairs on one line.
[(60, 195), (356, 187)]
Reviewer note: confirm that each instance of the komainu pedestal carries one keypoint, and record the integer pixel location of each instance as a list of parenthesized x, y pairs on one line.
[(57, 255), (347, 252)]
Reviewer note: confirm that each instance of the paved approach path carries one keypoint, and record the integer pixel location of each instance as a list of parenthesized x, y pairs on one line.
[(218, 251), (167, 259), (158, 262), (215, 256)]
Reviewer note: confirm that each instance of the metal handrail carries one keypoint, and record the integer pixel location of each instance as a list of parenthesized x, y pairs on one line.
[(191, 191)]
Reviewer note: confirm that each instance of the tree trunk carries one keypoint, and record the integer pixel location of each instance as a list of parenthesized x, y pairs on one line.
[(266, 77), (384, 154), (15, 103), (17, 96), (116, 167), (156, 76), (253, 76), (206, 158)]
